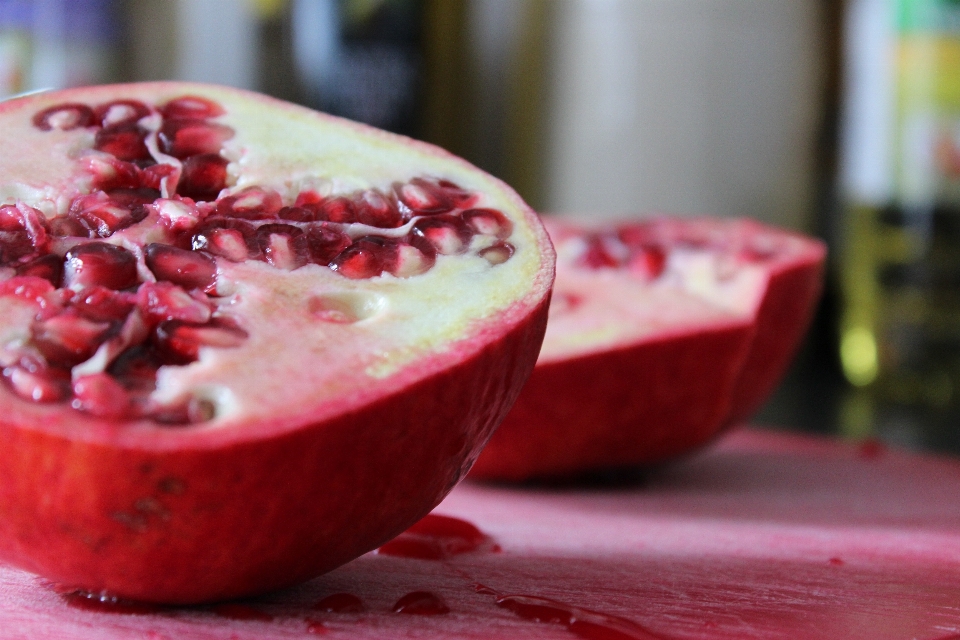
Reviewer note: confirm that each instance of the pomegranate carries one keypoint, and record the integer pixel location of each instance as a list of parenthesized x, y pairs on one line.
[(662, 332), (241, 342)]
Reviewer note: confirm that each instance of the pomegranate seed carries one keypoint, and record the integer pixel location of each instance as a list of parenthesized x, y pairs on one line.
[(189, 269), (111, 173), (154, 175), (67, 227), (324, 244), (99, 263), (64, 117), (193, 411), (367, 257), (296, 214), (375, 209), (412, 260), (104, 214), (649, 262), (203, 177), (23, 233), (252, 203), (423, 197), (136, 369), (48, 267), (488, 222), (283, 245), (339, 209), (636, 236), (37, 382), (182, 138), (457, 194), (497, 253), (448, 235), (179, 342), (120, 113), (176, 214), (100, 395), (68, 339), (102, 304), (125, 142), (160, 301), (232, 239), (191, 107), (27, 287)]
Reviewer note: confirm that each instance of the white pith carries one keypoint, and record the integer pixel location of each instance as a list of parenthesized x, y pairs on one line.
[(699, 288), (312, 332)]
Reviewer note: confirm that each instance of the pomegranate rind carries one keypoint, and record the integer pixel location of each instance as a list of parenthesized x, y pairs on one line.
[(324, 450), (644, 387)]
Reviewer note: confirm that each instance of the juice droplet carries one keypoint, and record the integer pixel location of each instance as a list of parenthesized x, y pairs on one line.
[(240, 612), (438, 537), (315, 627), (340, 603), (421, 603), (584, 623), (105, 603)]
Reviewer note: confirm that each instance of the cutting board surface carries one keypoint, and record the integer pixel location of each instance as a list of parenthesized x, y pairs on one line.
[(765, 535)]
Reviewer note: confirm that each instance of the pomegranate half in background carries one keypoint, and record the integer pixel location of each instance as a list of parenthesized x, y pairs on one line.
[(662, 333)]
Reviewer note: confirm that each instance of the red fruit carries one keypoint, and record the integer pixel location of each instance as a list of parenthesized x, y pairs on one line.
[(661, 334), (268, 399)]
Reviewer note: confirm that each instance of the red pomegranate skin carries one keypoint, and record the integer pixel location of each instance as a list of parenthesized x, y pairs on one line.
[(648, 402), (168, 515)]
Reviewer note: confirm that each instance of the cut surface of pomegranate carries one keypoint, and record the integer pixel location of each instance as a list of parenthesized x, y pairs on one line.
[(236, 348), (662, 333)]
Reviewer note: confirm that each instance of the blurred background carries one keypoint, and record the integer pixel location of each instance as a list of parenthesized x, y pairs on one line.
[(836, 118)]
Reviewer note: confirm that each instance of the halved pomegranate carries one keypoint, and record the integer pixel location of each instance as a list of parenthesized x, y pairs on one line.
[(662, 332), (212, 386)]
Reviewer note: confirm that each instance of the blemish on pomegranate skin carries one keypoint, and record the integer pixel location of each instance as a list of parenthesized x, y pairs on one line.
[(836, 562), (340, 603), (438, 537), (421, 603), (105, 603), (235, 611), (316, 628)]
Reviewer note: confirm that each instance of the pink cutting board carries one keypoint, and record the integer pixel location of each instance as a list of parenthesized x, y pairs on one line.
[(766, 535)]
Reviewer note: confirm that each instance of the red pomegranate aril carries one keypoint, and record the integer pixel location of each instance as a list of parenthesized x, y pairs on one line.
[(99, 263), (109, 173), (68, 227), (296, 214), (48, 267), (102, 304), (68, 339), (103, 216), (339, 209), (448, 234), (367, 257), (27, 287), (189, 137), (411, 260), (488, 222), (189, 269), (497, 253), (252, 203), (324, 244), (120, 113), (203, 177), (38, 382), (136, 369), (15, 246), (423, 198), (283, 246), (124, 142), (598, 255), (375, 209), (227, 243), (191, 107), (64, 117), (421, 603), (101, 395), (159, 301), (649, 263), (180, 342)]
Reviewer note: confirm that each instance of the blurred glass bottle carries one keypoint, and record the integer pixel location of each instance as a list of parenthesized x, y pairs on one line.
[(900, 187), (56, 43)]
